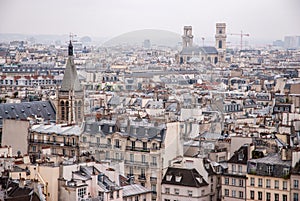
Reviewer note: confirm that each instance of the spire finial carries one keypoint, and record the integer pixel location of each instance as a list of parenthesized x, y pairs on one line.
[(70, 44), (70, 52)]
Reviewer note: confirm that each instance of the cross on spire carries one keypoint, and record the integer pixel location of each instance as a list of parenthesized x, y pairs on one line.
[(70, 49)]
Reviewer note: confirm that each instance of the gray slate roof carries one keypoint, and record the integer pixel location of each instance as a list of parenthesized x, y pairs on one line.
[(134, 189), (22, 111)]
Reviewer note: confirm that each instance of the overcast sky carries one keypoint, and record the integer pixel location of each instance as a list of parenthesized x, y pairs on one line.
[(262, 19)]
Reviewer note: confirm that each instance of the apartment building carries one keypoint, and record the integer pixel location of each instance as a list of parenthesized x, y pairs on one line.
[(59, 139), (140, 149), (184, 184), (234, 179), (268, 178)]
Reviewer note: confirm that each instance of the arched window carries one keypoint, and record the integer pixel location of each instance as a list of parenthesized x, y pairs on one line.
[(62, 106), (67, 110), (76, 109), (220, 44), (79, 109)]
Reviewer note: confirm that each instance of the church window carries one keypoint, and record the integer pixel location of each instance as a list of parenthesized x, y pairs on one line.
[(220, 44), (67, 111), (62, 110)]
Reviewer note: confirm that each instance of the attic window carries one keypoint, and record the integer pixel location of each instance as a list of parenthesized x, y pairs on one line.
[(169, 177), (240, 156), (110, 129), (178, 178), (199, 179)]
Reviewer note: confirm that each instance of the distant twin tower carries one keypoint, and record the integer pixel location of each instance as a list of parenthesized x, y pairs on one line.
[(207, 54), (187, 38)]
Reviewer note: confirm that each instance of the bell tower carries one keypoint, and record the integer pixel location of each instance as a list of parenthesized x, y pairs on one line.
[(70, 95), (187, 38), (221, 40)]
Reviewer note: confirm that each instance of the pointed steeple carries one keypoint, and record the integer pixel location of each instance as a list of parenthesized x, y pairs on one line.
[(70, 81), (70, 49)]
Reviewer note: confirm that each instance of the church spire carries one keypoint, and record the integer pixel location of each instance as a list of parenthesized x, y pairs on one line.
[(70, 49)]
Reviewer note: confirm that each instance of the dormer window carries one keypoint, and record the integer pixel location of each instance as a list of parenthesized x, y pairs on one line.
[(178, 178), (199, 179), (270, 169), (168, 177), (240, 156), (110, 129)]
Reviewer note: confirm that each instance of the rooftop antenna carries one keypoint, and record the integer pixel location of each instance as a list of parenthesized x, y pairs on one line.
[(203, 41), (71, 36)]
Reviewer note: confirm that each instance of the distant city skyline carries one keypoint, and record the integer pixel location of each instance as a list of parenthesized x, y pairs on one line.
[(263, 20)]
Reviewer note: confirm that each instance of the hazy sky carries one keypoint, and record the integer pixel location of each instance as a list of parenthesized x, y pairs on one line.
[(262, 19)]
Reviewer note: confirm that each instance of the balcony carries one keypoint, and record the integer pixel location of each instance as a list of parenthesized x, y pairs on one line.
[(153, 179), (140, 149), (114, 159), (54, 143), (117, 146), (137, 163), (142, 177), (99, 145), (153, 164)]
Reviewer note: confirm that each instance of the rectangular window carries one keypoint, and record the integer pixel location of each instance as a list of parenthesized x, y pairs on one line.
[(233, 168), (260, 183), (131, 157), (259, 195), (270, 169), (190, 193), (295, 197), (81, 192), (98, 140), (284, 197), (176, 191), (233, 193), (268, 183), (241, 194), (167, 190), (143, 159), (276, 197), (226, 180), (154, 160), (276, 184), (268, 196), (241, 182), (252, 181), (233, 182), (153, 187), (296, 184), (226, 192), (284, 185), (240, 168), (144, 145), (117, 143), (252, 195), (111, 195)]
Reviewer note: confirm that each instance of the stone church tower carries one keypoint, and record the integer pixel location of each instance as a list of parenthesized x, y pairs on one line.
[(187, 38), (221, 40), (70, 95)]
